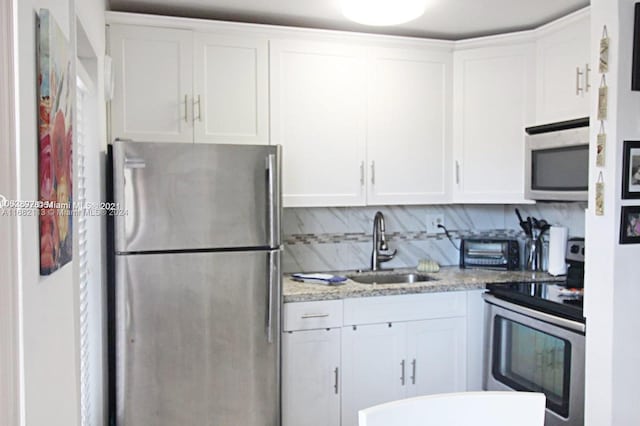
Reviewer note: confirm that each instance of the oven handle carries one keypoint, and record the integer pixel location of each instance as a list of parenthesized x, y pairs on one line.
[(552, 319)]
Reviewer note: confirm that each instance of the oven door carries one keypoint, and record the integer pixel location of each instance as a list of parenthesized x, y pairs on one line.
[(528, 350)]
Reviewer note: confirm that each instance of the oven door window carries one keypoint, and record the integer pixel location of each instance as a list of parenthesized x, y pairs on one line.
[(527, 359)]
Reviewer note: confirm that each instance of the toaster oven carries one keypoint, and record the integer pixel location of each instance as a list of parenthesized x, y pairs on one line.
[(492, 253)]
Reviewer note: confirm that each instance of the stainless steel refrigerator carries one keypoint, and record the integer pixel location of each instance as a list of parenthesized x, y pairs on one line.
[(197, 284)]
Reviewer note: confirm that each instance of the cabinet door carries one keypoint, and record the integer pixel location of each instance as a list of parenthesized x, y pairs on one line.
[(437, 356), (152, 84), (374, 365), (408, 126), (562, 93), (311, 378), (230, 99), (318, 116), (493, 101)]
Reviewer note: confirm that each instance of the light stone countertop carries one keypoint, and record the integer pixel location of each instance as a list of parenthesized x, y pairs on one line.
[(449, 278)]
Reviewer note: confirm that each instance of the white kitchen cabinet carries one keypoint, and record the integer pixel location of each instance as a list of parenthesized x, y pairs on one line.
[(311, 378), (374, 367), (184, 86), (436, 356), (408, 121), (390, 361), (153, 74), (420, 348), (318, 105), (231, 86), (493, 102), (564, 73)]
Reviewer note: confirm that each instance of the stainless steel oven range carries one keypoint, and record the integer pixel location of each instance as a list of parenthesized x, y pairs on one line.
[(536, 342)]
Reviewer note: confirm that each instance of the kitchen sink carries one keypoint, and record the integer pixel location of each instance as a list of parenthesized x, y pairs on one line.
[(390, 278)]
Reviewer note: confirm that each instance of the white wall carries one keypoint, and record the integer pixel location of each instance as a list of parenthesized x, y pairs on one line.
[(612, 281), (9, 319), (49, 304)]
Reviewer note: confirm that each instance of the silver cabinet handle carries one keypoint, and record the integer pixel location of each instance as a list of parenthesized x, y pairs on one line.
[(362, 173), (373, 172), (402, 376), (413, 372), (337, 376), (578, 75), (186, 114), (587, 70), (197, 102), (307, 316), (457, 172)]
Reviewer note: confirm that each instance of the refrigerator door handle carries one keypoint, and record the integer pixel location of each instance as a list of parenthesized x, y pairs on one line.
[(134, 163), (273, 201), (273, 283)]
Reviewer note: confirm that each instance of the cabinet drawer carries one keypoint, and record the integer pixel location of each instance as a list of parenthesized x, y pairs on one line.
[(410, 307), (312, 315)]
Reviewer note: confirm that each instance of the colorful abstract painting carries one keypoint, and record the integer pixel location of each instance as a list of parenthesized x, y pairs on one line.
[(55, 112)]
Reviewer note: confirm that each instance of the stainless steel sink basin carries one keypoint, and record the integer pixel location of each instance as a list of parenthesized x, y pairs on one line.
[(390, 278)]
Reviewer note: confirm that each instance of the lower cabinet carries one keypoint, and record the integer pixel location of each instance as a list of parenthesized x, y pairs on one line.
[(311, 378), (339, 357), (386, 362)]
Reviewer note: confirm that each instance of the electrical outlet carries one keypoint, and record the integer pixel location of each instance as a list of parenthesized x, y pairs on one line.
[(433, 220)]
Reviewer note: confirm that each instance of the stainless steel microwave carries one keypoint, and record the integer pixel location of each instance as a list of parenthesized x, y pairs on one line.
[(557, 161)]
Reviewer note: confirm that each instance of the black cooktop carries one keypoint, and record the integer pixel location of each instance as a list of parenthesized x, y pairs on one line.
[(550, 297)]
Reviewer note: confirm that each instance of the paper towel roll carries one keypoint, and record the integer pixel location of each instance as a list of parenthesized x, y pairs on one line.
[(557, 249)]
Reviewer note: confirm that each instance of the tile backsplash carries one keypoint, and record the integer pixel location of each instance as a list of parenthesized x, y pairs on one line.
[(325, 239)]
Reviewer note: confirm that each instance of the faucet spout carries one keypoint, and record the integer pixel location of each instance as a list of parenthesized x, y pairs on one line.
[(380, 246)]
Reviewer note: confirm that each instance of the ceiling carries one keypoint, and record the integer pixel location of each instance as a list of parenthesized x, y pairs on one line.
[(444, 19)]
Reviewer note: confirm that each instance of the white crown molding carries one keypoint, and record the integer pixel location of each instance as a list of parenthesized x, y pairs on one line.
[(10, 383), (272, 31), (275, 31)]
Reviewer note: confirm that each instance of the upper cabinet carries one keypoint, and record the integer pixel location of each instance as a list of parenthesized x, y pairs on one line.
[(318, 115), (408, 126), (360, 125), (564, 73), (153, 84), (493, 102), (175, 85)]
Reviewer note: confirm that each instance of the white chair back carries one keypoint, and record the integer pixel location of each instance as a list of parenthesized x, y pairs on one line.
[(459, 409)]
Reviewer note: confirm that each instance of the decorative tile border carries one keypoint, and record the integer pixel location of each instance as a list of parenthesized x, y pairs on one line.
[(361, 237)]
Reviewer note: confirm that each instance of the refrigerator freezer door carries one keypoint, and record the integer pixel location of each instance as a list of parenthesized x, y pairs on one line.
[(199, 196), (196, 341)]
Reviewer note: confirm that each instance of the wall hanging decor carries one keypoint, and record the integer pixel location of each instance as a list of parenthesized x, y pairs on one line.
[(630, 225), (600, 196), (602, 99), (631, 170), (601, 146), (603, 66), (55, 136)]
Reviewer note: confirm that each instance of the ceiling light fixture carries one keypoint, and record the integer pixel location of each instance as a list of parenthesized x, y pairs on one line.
[(383, 12)]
